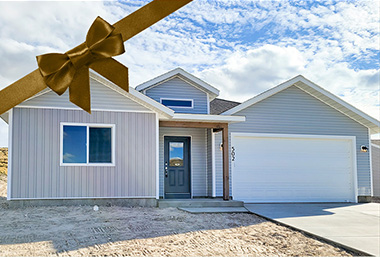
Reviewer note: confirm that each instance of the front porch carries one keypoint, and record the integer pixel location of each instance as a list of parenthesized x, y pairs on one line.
[(195, 137)]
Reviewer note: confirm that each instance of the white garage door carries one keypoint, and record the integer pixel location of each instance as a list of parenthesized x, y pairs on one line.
[(292, 168)]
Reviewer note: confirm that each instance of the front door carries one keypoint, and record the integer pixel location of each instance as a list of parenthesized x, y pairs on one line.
[(177, 167)]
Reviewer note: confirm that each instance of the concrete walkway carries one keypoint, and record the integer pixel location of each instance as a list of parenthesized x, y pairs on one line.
[(355, 226)]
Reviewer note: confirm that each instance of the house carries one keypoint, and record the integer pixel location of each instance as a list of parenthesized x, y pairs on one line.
[(172, 138), (375, 148)]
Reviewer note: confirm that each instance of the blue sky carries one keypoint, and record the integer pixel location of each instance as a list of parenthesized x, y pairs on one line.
[(240, 47)]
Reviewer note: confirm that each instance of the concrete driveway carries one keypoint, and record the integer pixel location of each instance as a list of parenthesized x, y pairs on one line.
[(356, 226)]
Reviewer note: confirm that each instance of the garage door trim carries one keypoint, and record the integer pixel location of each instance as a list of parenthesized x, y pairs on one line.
[(352, 140)]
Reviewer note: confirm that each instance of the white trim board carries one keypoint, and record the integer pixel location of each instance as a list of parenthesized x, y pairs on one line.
[(207, 118), (157, 157), (317, 92), (10, 155)]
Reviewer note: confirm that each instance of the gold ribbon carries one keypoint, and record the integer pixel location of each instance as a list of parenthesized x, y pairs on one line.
[(71, 70)]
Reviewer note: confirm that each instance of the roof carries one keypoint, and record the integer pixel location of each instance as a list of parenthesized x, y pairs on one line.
[(218, 106), (184, 75), (319, 93)]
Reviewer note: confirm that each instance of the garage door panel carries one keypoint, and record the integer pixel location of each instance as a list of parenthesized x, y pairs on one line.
[(292, 169)]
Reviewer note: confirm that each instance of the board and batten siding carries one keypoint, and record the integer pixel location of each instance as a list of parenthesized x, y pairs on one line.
[(102, 98), (177, 88), (293, 111), (375, 152), (36, 170), (198, 157)]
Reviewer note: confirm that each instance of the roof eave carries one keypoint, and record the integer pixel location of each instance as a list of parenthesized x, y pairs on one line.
[(207, 118)]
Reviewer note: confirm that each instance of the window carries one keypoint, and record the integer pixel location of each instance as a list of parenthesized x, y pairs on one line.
[(178, 103), (87, 144), (176, 154)]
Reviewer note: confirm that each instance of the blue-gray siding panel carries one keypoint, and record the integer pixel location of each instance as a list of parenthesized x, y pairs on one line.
[(375, 151), (209, 162), (36, 171), (102, 98), (198, 157), (293, 111), (178, 88)]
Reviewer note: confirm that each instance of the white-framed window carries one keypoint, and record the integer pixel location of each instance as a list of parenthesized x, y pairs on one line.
[(87, 144), (177, 103)]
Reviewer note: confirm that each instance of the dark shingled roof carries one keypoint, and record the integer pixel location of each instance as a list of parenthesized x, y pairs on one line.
[(218, 106)]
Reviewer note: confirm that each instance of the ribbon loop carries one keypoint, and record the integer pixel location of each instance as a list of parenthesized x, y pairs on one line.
[(62, 71)]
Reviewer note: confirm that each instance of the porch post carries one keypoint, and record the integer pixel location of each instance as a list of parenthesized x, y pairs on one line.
[(226, 167)]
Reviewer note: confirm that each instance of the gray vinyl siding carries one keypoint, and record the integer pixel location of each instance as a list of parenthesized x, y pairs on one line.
[(36, 170), (209, 162), (292, 111), (179, 89), (198, 157), (102, 98), (375, 152)]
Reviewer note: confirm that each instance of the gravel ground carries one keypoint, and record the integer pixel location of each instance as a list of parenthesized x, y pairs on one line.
[(116, 230)]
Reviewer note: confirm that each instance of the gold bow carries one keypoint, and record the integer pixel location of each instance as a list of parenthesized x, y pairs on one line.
[(71, 69)]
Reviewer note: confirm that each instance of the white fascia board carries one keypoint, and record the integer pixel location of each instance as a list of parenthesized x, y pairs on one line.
[(301, 82), (207, 118), (178, 71)]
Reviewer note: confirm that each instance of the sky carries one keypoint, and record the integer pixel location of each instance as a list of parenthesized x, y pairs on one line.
[(241, 47)]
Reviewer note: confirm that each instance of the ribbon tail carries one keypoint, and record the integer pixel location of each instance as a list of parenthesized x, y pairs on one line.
[(112, 70), (80, 90), (21, 90), (146, 16)]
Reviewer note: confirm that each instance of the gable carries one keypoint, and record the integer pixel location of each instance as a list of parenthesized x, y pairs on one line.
[(102, 98), (178, 88), (292, 110), (180, 73), (319, 93)]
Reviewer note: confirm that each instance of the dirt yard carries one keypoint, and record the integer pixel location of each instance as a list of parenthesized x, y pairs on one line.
[(115, 230), (3, 160)]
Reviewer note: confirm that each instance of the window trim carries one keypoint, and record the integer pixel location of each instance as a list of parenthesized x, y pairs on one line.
[(178, 99), (88, 125)]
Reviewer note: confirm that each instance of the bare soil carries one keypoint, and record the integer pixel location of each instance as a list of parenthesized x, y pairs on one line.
[(79, 230), (3, 160)]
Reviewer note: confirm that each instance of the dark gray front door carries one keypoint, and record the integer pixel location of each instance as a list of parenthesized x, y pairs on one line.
[(177, 167)]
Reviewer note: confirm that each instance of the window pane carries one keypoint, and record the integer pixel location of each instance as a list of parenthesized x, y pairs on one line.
[(100, 145), (74, 144), (176, 154), (176, 103)]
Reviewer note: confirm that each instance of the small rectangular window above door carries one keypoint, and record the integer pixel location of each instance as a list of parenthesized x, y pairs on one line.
[(178, 103), (87, 144)]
